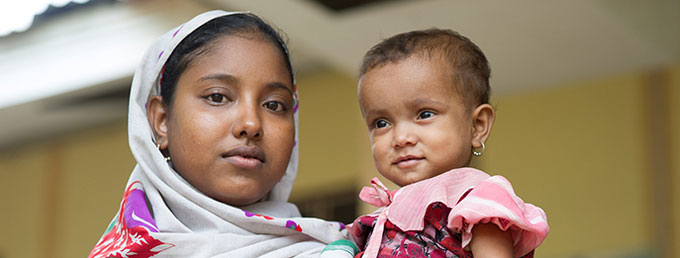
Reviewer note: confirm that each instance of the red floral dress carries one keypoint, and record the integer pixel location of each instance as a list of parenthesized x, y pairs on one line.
[(435, 240), (434, 217)]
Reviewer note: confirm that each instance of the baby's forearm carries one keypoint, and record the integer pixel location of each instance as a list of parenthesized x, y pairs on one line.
[(489, 241)]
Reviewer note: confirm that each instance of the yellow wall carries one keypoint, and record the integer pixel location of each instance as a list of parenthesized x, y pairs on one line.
[(96, 166), (330, 131), (675, 154), (60, 194), (22, 182), (578, 151)]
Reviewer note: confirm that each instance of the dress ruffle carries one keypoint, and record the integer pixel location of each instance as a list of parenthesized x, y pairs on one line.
[(494, 201), (473, 196)]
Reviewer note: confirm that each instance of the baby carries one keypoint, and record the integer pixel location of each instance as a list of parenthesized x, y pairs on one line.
[(425, 98)]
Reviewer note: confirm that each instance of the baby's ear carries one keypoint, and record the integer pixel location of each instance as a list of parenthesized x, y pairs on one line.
[(482, 121), (158, 119)]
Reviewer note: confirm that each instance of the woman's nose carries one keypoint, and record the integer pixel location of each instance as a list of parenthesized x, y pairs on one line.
[(248, 123)]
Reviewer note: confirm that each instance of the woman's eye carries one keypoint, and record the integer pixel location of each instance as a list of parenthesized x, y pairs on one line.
[(425, 114), (273, 105), (381, 123), (216, 98)]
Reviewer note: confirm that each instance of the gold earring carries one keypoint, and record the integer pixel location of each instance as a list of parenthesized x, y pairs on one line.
[(158, 146), (480, 152)]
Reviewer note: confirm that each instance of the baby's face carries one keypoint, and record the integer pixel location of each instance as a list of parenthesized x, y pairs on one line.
[(417, 122)]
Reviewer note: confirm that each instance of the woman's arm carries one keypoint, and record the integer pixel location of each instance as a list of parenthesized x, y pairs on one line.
[(490, 241)]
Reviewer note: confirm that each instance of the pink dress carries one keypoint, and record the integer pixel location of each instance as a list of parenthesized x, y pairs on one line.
[(435, 217)]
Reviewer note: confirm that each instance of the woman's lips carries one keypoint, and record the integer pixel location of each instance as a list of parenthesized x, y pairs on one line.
[(245, 157), (244, 162), (407, 161)]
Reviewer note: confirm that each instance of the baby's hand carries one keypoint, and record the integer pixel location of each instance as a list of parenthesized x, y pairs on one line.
[(489, 241)]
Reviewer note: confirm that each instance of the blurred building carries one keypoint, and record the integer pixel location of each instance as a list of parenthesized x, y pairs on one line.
[(587, 96)]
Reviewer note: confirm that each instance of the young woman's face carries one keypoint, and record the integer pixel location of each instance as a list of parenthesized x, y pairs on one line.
[(418, 124), (230, 127)]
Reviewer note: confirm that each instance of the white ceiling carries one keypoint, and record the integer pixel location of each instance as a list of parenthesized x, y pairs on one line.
[(49, 70)]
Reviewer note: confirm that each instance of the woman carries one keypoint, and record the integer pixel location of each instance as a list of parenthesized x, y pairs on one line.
[(213, 127)]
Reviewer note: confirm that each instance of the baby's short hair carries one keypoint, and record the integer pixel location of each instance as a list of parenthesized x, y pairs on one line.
[(469, 67)]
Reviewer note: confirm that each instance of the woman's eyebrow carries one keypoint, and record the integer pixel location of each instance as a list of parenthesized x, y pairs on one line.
[(220, 77), (278, 85)]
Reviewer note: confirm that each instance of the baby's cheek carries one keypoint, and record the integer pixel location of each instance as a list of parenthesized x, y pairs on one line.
[(378, 153)]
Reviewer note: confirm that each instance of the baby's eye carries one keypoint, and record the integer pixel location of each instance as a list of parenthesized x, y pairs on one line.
[(217, 98), (425, 114), (381, 123), (273, 105)]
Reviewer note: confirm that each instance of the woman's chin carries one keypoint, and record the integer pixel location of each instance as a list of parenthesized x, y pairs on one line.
[(240, 198)]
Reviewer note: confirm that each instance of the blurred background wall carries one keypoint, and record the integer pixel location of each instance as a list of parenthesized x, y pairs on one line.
[(587, 96)]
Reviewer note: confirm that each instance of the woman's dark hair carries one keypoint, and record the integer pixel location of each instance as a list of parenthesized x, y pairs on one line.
[(198, 42)]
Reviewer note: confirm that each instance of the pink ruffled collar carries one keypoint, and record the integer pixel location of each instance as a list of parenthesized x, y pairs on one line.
[(406, 207)]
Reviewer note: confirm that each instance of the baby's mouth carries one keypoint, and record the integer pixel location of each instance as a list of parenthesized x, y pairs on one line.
[(407, 161)]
